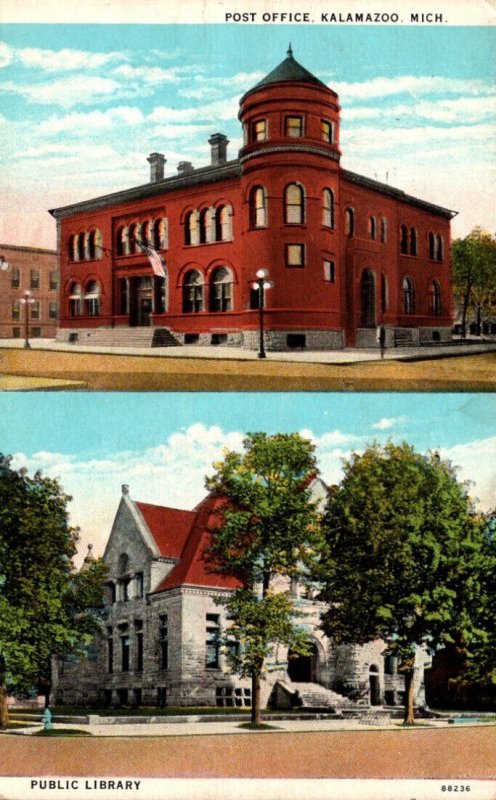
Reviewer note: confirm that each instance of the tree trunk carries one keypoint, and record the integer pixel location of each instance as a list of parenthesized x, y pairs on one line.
[(466, 299), (4, 709), (409, 716), (256, 715)]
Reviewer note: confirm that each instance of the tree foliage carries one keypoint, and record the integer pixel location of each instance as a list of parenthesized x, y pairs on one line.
[(43, 604), (268, 532), (402, 550), (474, 276)]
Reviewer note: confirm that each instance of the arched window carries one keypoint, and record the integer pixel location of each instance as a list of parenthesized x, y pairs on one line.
[(190, 227), (294, 204), (404, 240), (432, 245), (368, 298), (328, 208), (80, 254), (223, 224), (75, 300), (439, 248), (124, 577), (133, 238), (71, 248), (413, 241), (94, 244), (384, 229), (384, 294), (372, 228), (408, 296), (221, 290), (147, 233), (92, 299), (122, 241), (204, 221), (436, 298), (192, 292), (258, 207), (160, 230), (349, 222)]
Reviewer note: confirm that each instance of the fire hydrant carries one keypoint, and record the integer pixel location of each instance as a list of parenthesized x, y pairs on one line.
[(47, 719)]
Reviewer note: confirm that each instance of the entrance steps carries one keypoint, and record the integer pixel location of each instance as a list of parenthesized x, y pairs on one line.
[(311, 696), (403, 337), (121, 337)]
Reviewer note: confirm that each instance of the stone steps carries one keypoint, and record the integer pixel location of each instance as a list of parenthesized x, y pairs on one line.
[(124, 337), (313, 695)]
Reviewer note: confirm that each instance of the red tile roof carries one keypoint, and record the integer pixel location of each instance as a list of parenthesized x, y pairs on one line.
[(168, 526), (192, 569)]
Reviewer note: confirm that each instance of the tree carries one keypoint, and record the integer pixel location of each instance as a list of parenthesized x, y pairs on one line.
[(43, 603), (267, 533), (401, 556), (474, 275)]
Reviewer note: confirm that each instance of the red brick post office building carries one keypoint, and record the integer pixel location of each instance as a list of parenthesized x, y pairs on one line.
[(344, 253)]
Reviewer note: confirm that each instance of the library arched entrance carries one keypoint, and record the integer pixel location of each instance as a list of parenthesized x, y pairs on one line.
[(303, 669)]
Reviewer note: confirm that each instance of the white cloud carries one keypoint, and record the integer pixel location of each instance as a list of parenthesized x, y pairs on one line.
[(6, 55), (463, 110), (66, 92), (83, 122), (415, 86), (152, 76), (65, 60), (388, 422)]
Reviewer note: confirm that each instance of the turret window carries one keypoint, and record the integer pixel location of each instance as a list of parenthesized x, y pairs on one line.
[(328, 208), (294, 204), (295, 255), (383, 230), (436, 298), (294, 127), (372, 228), (413, 241), (349, 222), (404, 240), (258, 207), (329, 271), (327, 131), (259, 130)]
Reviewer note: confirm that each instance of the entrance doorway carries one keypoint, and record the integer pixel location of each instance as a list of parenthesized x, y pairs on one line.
[(303, 669), (141, 301), (375, 686)]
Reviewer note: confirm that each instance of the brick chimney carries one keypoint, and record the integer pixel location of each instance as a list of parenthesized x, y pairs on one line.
[(218, 142), (185, 167), (157, 162)]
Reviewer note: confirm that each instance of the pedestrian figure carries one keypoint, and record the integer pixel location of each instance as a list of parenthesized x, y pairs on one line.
[(381, 338)]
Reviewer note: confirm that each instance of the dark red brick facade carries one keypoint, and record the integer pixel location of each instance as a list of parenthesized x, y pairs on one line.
[(33, 270), (344, 253)]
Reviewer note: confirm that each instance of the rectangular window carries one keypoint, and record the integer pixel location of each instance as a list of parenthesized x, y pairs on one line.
[(110, 651), (125, 650), (259, 130), (36, 333), (54, 280), (16, 278), (35, 279), (140, 585), (294, 127), (164, 642), (329, 271), (212, 641), (295, 255), (327, 131), (53, 310), (16, 333), (138, 627), (16, 309), (35, 309)]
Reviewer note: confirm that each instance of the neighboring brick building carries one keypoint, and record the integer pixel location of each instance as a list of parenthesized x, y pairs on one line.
[(162, 625), (344, 252), (34, 270)]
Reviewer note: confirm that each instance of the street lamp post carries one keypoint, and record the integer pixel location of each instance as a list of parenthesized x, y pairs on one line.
[(26, 300), (262, 284)]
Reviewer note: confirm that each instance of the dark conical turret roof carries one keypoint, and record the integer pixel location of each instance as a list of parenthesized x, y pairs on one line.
[(289, 70)]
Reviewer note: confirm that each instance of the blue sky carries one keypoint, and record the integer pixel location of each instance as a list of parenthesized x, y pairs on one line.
[(81, 106), (163, 445)]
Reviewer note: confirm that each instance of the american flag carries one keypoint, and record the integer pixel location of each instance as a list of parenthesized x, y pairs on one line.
[(155, 260)]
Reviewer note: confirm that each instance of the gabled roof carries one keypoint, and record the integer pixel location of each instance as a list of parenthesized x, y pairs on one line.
[(169, 527), (289, 70), (192, 568)]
